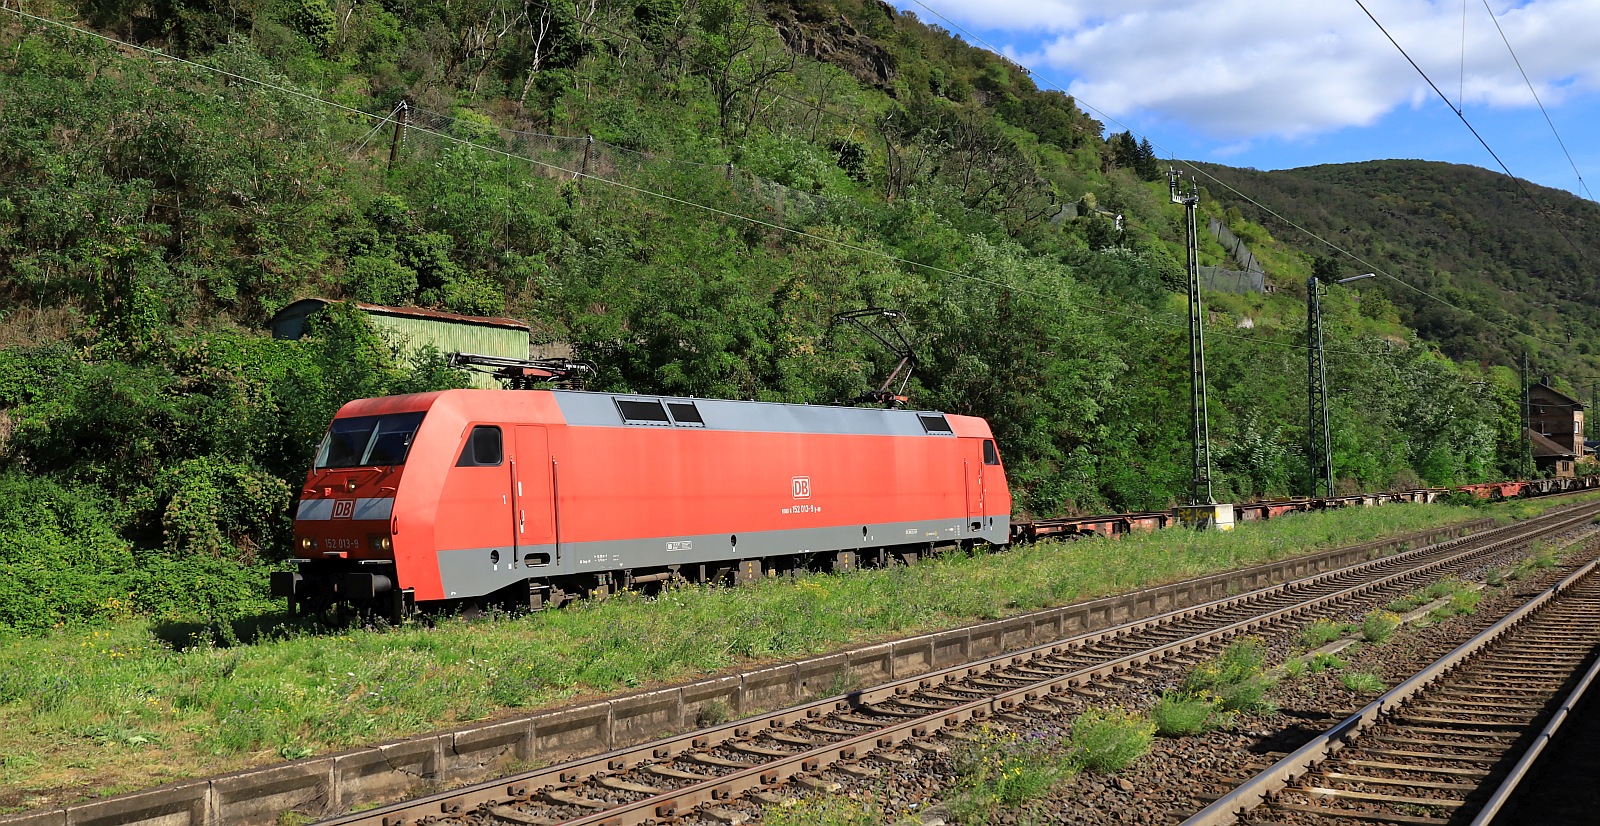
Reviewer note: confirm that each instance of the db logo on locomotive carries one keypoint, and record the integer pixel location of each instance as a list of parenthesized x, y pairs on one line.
[(344, 508), (802, 487)]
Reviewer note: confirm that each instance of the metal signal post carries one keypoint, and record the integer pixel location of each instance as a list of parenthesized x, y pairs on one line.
[(1319, 437), (1200, 427), (1319, 442)]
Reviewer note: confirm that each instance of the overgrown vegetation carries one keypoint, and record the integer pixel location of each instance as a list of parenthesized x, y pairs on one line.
[(1237, 680), (1216, 692), (825, 810), (215, 706), (1447, 587), (1320, 632), (150, 228), (1182, 714), (1327, 662), (1004, 770), (1108, 740), (1379, 625), (1542, 556), (1362, 682), (160, 486), (1000, 770), (1461, 604)]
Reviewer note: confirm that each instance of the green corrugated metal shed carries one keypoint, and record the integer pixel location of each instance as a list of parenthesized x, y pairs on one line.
[(414, 328)]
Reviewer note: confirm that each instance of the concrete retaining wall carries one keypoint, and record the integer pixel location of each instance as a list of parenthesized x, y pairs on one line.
[(321, 786)]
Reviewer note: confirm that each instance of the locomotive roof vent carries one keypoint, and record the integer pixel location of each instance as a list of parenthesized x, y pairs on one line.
[(643, 411)]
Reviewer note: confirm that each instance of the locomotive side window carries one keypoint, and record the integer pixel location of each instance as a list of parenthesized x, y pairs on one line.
[(365, 441), (483, 448), (990, 455), (686, 414), (934, 423), (635, 411)]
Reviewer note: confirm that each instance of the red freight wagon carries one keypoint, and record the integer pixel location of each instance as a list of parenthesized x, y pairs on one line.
[(529, 497)]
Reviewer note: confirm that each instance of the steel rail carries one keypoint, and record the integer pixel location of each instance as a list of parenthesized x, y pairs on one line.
[(1230, 808), (519, 788), (1519, 772), (772, 773)]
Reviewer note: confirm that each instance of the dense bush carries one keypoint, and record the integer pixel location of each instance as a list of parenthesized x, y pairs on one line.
[(166, 213), (164, 485)]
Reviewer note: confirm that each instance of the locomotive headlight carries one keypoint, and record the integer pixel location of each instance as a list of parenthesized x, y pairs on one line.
[(306, 543), (384, 543)]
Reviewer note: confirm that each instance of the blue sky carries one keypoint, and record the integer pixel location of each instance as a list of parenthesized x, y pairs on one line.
[(1274, 84)]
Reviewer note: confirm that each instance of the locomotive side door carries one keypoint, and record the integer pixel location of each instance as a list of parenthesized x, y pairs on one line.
[(531, 493), (475, 510), (973, 472)]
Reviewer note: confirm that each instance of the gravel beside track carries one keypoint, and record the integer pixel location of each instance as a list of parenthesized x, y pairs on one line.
[(894, 742), (1437, 754), (1182, 776)]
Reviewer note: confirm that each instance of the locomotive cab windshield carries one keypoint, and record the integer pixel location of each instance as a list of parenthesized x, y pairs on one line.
[(367, 441)]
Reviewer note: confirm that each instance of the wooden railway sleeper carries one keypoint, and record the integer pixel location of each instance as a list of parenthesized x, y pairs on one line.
[(1341, 777)]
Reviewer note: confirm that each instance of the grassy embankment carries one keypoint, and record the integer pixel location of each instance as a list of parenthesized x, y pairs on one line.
[(108, 709)]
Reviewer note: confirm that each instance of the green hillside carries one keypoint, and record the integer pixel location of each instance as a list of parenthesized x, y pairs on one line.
[(753, 172), (1525, 269)]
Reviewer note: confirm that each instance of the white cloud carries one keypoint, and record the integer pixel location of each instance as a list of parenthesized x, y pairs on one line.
[(1239, 69)]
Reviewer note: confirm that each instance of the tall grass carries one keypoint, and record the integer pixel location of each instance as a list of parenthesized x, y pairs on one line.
[(1362, 682), (1378, 626), (1179, 714), (1236, 680), (1002, 770), (824, 810), (1320, 632), (1109, 740), (294, 692)]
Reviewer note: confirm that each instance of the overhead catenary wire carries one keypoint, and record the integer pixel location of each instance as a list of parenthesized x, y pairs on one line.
[(1461, 80), (375, 129), (1242, 195), (577, 174), (1535, 93), (1470, 128)]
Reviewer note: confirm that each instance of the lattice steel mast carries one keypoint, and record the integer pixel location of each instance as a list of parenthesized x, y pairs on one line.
[(1200, 428), (1319, 440)]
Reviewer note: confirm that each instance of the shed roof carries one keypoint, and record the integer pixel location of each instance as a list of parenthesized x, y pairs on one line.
[(1544, 447), (301, 307)]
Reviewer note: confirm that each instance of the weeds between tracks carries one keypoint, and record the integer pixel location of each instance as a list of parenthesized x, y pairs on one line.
[(92, 708)]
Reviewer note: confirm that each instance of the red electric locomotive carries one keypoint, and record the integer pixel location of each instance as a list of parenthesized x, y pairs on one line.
[(529, 497)]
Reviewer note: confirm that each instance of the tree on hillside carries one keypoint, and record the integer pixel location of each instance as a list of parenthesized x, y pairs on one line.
[(1327, 269), (741, 56), (1135, 155)]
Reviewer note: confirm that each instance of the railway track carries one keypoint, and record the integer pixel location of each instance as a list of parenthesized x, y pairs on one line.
[(699, 775), (1449, 745)]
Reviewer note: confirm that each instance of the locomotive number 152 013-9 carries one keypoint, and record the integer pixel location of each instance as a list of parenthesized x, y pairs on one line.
[(336, 544)]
